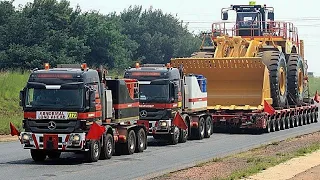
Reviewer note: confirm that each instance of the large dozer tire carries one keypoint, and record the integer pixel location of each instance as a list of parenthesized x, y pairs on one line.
[(276, 63), (295, 79)]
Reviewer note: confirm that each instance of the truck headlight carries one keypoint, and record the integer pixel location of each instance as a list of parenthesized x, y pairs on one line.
[(163, 123), (75, 137)]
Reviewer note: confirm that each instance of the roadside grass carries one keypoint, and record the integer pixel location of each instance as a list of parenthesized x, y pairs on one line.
[(258, 164), (10, 85)]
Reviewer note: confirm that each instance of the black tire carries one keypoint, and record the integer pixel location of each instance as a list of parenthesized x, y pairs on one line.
[(273, 125), (278, 124), (308, 117), (107, 148), (316, 115), (54, 154), (300, 120), (283, 123), (291, 121), (184, 134), (268, 128), (38, 155), (295, 79), (130, 146), (295, 120), (312, 117), (276, 63), (174, 138), (208, 127), (199, 132), (287, 121), (141, 140), (94, 152), (304, 118)]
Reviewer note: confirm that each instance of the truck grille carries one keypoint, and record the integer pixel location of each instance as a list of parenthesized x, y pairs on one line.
[(52, 126)]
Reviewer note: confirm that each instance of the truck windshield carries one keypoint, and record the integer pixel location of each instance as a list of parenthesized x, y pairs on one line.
[(154, 93), (54, 98)]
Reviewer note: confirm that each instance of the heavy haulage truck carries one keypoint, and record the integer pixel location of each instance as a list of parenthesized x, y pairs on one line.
[(77, 109), (167, 93), (256, 72)]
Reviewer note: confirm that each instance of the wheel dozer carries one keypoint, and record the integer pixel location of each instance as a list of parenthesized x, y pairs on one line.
[(253, 61)]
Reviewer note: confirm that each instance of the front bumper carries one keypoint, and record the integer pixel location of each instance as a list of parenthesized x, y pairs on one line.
[(158, 127), (60, 142)]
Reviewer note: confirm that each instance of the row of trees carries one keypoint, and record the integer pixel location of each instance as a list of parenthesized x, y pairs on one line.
[(52, 31)]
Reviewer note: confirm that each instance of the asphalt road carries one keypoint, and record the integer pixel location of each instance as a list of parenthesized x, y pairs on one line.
[(15, 163)]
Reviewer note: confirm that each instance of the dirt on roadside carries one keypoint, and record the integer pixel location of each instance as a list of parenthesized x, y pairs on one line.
[(313, 173), (266, 156), (8, 138)]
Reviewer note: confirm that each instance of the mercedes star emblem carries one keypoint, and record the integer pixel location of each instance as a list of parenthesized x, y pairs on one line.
[(143, 113), (52, 125)]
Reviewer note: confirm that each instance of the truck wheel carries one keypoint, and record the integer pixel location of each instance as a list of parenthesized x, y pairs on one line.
[(283, 123), (38, 155), (276, 63), (291, 121), (312, 117), (183, 135), (94, 151), (200, 131), (278, 124), (295, 79), (54, 154), (295, 120), (141, 141), (316, 115), (208, 127), (107, 149), (174, 138), (287, 121), (130, 145)]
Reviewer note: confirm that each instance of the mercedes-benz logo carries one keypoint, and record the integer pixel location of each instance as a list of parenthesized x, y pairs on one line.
[(143, 113), (52, 125)]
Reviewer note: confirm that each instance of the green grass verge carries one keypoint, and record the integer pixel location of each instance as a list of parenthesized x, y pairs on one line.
[(257, 164)]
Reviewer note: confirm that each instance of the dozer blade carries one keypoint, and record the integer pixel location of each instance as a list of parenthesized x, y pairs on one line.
[(232, 83)]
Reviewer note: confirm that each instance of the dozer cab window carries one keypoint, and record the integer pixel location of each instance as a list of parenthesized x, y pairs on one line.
[(154, 93), (54, 98), (246, 19)]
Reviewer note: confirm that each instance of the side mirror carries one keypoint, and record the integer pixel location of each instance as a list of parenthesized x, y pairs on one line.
[(271, 16), (224, 15), (22, 98)]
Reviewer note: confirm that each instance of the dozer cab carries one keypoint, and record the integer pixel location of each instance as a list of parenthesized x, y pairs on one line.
[(253, 61)]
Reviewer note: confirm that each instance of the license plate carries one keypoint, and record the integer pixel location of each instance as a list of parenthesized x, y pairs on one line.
[(63, 115)]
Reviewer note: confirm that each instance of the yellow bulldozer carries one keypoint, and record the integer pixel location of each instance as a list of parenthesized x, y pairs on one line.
[(250, 62)]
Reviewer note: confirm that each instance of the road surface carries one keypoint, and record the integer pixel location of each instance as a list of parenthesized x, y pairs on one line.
[(15, 163)]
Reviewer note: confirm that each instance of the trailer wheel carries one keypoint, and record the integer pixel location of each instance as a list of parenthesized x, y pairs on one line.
[(304, 118), (174, 138), (130, 145), (282, 123), (295, 120), (141, 140), (38, 155), (312, 117), (268, 128), (208, 127), (93, 154), (273, 125), (107, 149), (316, 115), (278, 124), (300, 117), (287, 121), (291, 121), (309, 118), (54, 154)]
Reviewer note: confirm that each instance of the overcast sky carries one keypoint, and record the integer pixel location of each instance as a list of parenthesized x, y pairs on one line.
[(201, 14)]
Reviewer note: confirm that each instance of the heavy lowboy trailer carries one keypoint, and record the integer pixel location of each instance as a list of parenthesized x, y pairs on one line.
[(74, 108)]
